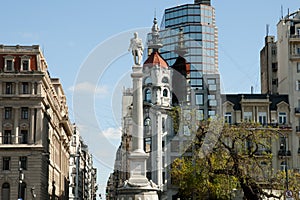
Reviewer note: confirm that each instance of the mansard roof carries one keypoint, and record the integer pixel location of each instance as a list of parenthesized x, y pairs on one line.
[(156, 59), (236, 99), (182, 66)]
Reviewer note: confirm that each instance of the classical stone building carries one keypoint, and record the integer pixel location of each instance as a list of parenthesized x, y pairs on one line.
[(34, 127), (280, 73), (272, 113), (82, 174)]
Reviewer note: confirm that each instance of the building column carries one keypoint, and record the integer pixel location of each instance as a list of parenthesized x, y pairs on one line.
[(39, 127), (1, 86), (32, 126), (158, 150), (1, 126), (32, 88), (17, 88), (137, 113), (16, 125)]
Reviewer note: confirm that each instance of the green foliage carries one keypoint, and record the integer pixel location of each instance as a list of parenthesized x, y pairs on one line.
[(239, 159)]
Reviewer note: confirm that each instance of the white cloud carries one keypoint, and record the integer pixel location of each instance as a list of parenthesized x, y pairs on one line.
[(112, 133), (89, 88)]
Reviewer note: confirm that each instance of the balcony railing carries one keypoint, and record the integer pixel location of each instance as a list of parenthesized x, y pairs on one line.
[(297, 110), (294, 36), (9, 139), (263, 152), (283, 153), (6, 139)]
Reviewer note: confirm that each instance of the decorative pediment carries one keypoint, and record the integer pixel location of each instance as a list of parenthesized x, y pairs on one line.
[(282, 105), (7, 125), (24, 126), (228, 106)]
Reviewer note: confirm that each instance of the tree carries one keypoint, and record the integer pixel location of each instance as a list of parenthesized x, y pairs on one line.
[(236, 157)]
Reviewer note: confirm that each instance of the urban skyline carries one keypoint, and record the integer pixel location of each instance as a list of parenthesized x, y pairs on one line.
[(53, 45)]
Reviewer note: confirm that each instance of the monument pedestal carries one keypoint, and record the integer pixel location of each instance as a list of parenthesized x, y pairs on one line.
[(138, 187)]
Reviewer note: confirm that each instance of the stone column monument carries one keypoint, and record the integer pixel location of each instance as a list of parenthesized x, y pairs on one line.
[(138, 187)]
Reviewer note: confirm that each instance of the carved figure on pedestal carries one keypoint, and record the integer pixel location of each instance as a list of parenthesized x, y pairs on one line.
[(136, 47)]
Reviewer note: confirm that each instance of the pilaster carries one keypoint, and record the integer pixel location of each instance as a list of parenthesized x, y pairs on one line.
[(16, 124)]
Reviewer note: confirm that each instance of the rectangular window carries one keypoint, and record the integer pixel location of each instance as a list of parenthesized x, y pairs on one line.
[(211, 113), (25, 88), (212, 102), (212, 87), (298, 85), (228, 118), (262, 118), (7, 138), (298, 51), (247, 116), (23, 138), (23, 162), (9, 65), (197, 82), (211, 81), (25, 65), (298, 67), (199, 99), (211, 97), (7, 113), (148, 144), (24, 113), (8, 88), (282, 118), (6, 163)]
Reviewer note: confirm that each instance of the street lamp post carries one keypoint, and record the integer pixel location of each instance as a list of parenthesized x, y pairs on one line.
[(21, 178), (286, 166), (284, 148)]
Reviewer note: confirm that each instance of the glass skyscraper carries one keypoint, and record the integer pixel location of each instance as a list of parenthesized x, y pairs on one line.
[(200, 37)]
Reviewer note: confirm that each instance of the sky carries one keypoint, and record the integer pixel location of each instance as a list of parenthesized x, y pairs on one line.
[(85, 44)]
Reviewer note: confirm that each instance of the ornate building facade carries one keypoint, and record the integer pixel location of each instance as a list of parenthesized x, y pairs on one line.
[(280, 73), (34, 127)]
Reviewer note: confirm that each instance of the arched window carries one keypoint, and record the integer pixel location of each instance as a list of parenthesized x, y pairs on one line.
[(163, 124), (165, 93), (5, 191), (148, 95)]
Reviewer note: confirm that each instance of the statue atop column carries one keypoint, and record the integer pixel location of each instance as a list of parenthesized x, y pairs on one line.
[(136, 47)]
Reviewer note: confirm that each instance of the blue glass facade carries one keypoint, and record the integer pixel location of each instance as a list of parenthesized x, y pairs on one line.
[(200, 36)]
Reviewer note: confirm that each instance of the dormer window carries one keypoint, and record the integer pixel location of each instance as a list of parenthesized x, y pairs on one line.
[(25, 63), (9, 63)]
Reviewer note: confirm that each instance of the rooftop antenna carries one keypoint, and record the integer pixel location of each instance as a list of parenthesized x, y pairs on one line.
[(281, 12), (267, 29)]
